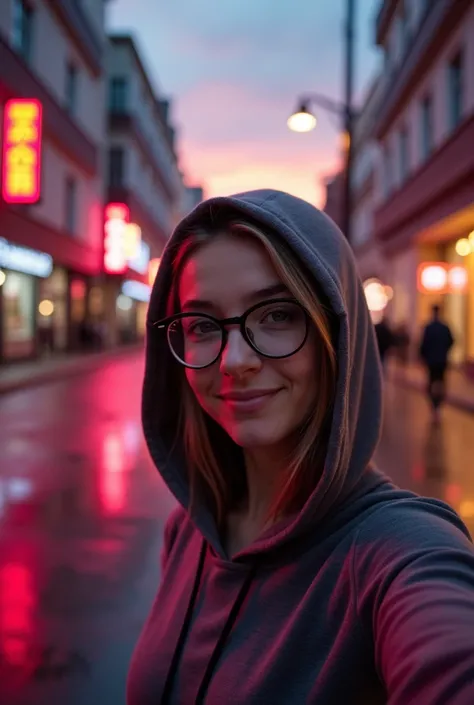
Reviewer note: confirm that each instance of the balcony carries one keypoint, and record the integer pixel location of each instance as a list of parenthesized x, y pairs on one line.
[(16, 80), (441, 19), (442, 186), (82, 33)]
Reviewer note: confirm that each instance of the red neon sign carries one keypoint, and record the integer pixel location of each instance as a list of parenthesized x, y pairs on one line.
[(21, 153), (115, 256)]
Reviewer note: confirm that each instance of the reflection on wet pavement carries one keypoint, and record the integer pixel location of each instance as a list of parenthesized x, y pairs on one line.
[(81, 517), (434, 460)]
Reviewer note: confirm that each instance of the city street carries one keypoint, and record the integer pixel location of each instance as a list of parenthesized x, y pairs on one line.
[(81, 518)]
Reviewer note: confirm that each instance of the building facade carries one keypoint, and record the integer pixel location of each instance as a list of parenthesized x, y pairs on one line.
[(418, 202), (142, 173), (51, 56)]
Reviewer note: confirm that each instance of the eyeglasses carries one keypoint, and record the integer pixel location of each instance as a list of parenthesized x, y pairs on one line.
[(275, 329)]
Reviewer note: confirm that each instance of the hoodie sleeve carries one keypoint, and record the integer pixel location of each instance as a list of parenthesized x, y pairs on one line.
[(414, 573)]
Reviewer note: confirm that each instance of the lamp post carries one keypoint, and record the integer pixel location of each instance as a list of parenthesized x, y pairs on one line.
[(303, 119)]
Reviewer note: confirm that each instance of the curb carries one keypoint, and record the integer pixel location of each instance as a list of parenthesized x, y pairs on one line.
[(69, 368), (454, 400)]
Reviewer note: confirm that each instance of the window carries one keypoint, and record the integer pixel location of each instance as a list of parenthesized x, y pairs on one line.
[(455, 91), (22, 29), (71, 88), (403, 154), (426, 127), (118, 98), (116, 166), (70, 205)]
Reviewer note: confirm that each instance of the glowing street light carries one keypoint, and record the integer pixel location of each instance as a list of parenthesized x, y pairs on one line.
[(302, 120)]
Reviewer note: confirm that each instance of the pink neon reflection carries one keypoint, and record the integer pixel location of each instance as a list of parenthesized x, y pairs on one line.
[(17, 605)]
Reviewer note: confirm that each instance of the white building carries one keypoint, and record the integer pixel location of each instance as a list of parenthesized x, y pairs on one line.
[(52, 51), (418, 161)]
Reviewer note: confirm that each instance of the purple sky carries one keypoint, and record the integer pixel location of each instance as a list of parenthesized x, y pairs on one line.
[(235, 70)]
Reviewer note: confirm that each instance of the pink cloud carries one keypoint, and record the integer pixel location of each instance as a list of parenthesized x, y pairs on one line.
[(236, 140)]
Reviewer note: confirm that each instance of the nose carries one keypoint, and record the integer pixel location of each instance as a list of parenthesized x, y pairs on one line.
[(238, 358)]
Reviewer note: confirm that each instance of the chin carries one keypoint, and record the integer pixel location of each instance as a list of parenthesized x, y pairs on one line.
[(253, 433)]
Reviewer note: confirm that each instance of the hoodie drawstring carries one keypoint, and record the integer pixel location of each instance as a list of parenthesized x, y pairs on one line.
[(219, 647)]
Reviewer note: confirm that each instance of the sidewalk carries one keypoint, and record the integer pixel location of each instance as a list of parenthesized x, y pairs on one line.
[(460, 389), (31, 374)]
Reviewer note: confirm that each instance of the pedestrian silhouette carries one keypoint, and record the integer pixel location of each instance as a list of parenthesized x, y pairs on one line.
[(437, 340)]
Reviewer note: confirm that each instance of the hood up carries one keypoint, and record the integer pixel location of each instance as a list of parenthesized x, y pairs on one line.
[(356, 419)]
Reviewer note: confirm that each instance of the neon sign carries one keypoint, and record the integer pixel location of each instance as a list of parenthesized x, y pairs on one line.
[(116, 218), (122, 241), (21, 153), (441, 278), (22, 259)]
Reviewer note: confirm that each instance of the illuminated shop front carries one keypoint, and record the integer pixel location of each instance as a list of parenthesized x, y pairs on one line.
[(450, 282), (21, 270)]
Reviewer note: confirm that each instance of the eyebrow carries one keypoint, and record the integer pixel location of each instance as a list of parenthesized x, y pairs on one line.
[(266, 292)]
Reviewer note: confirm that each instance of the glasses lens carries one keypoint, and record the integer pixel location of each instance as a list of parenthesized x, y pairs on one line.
[(277, 329), (195, 341)]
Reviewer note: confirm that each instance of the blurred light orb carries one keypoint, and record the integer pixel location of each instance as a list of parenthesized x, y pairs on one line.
[(434, 277), (457, 277), (3, 276), (376, 295), (46, 308), (302, 120), (464, 246), (124, 303)]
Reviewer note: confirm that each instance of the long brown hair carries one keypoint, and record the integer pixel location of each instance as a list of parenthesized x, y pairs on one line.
[(203, 439)]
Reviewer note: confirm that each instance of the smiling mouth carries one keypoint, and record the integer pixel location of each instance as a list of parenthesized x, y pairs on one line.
[(248, 401)]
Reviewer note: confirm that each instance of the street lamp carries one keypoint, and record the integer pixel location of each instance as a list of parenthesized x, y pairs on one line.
[(303, 120)]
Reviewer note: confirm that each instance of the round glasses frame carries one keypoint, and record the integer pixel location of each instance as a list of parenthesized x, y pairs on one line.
[(164, 324)]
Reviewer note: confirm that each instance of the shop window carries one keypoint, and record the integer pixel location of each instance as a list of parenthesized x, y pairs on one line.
[(70, 205), (52, 318), (18, 315), (71, 88), (118, 94), (455, 90), (22, 35)]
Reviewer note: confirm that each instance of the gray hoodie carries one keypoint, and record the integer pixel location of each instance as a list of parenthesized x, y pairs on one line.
[(365, 597)]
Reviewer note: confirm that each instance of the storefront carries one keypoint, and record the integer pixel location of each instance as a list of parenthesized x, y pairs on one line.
[(451, 285), (21, 271), (132, 304)]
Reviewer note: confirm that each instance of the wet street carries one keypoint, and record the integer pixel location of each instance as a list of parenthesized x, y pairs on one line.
[(81, 518)]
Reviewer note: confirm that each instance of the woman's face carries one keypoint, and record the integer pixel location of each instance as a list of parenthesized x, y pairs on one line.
[(258, 401)]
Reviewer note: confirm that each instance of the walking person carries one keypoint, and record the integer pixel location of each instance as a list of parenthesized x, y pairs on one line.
[(436, 343), (293, 571)]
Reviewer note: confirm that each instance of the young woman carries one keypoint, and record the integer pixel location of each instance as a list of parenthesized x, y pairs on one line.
[(293, 572)]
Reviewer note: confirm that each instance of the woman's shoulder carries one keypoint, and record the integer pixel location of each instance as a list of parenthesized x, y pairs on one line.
[(401, 532)]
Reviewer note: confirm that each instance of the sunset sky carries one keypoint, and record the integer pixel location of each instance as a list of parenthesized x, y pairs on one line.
[(234, 70)]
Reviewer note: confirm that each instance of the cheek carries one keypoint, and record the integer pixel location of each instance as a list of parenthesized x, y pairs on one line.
[(201, 382), (301, 369)]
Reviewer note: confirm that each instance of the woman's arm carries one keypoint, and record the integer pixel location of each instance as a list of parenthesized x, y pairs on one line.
[(417, 590)]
